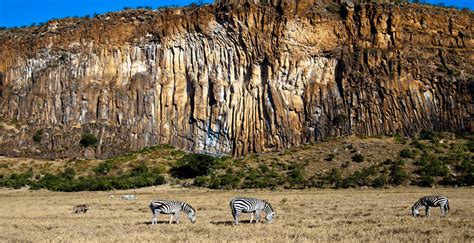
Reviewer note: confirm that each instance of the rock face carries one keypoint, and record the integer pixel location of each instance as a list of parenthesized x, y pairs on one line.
[(234, 78)]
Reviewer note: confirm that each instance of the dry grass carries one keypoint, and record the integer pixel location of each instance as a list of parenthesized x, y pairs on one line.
[(303, 215)]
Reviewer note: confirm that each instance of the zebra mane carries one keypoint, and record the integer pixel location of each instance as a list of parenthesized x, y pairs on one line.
[(189, 206), (269, 205)]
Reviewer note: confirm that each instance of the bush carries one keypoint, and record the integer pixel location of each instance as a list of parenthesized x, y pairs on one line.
[(193, 165), (407, 153), (358, 158), (333, 178), (429, 135), (359, 178), (470, 146), (295, 177), (400, 139), (380, 181), (37, 137), (448, 181), (434, 168), (263, 177), (16, 180), (103, 168), (339, 119), (466, 168), (418, 145), (138, 177), (398, 175), (88, 139), (202, 181), (227, 181), (425, 181)]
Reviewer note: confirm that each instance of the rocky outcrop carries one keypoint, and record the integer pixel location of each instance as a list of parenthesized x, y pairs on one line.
[(234, 78)]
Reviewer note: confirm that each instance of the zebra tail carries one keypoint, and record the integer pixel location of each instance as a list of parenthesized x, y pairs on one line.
[(447, 204)]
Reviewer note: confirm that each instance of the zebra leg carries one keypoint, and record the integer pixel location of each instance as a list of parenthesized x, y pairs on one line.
[(171, 218), (154, 219), (257, 216), (176, 216), (251, 217), (236, 218), (427, 210)]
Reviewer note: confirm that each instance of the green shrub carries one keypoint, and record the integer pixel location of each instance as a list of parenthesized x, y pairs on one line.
[(16, 180), (448, 180), (429, 135), (418, 145), (466, 169), (88, 139), (295, 177), (69, 173), (470, 146), (358, 158), (136, 178), (202, 181), (103, 168), (359, 178), (261, 178), (333, 178), (339, 119), (400, 139), (193, 165), (38, 136), (434, 168), (380, 181), (398, 175), (407, 153), (425, 181), (227, 181)]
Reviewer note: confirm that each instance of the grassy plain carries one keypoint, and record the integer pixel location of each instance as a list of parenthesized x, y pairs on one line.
[(301, 215)]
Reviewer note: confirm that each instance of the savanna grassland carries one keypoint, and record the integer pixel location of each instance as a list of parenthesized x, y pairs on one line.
[(302, 215)]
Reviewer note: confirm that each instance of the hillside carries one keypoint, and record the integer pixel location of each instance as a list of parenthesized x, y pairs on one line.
[(429, 160), (234, 79)]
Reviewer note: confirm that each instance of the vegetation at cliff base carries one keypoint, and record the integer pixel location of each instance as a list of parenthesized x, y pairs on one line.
[(429, 159)]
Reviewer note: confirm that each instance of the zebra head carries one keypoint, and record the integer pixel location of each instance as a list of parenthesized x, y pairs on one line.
[(269, 211), (269, 217), (191, 214), (414, 211)]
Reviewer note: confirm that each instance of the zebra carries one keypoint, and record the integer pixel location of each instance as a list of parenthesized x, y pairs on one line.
[(129, 197), (251, 205), (82, 208), (173, 208), (431, 201)]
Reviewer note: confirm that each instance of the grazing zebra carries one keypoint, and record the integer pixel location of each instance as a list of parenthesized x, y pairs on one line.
[(431, 201), (129, 197), (251, 205), (82, 208), (173, 208)]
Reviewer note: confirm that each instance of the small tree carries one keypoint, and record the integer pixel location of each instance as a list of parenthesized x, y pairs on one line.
[(88, 139), (38, 136), (358, 158)]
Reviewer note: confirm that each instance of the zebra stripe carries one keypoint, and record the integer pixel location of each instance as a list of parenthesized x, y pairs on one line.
[(251, 205), (431, 201), (173, 208)]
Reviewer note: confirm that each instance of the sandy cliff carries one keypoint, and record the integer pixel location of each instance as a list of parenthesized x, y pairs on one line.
[(235, 78)]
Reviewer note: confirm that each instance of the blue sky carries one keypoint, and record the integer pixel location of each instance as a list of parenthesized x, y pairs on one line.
[(26, 12)]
